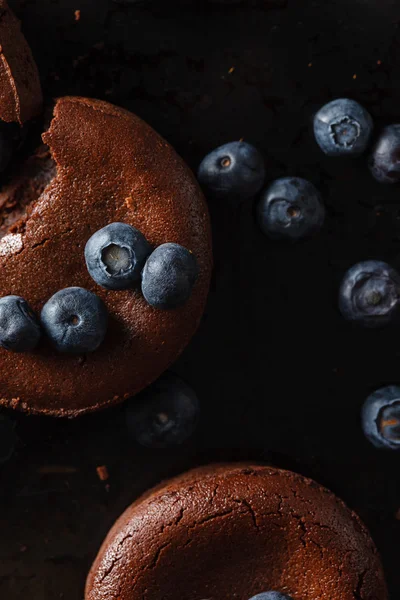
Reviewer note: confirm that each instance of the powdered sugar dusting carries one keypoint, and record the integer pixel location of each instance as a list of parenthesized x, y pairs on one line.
[(11, 244)]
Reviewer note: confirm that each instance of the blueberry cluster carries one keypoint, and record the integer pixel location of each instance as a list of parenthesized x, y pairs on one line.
[(344, 128), (119, 256), (74, 319), (290, 208)]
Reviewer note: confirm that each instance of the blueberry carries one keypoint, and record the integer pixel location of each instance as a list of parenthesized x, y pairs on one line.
[(233, 170), (369, 294), (343, 128), (164, 415), (271, 596), (384, 161), (169, 276), (290, 208), (19, 328), (381, 418), (115, 256), (75, 320), (10, 139), (8, 438)]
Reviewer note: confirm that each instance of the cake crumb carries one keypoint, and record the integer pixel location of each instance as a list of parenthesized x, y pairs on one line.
[(379, 62), (102, 473), (231, 70), (77, 15), (355, 76), (310, 64), (56, 470)]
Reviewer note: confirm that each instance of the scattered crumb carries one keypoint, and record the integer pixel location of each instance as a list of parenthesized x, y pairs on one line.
[(108, 92), (355, 76), (102, 473), (241, 140), (310, 64), (56, 470), (77, 15), (231, 70), (379, 62)]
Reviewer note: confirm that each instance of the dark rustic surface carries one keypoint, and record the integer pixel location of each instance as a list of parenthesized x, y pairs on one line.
[(279, 374)]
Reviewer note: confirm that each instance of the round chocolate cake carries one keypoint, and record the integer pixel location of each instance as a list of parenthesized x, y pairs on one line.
[(235, 531), (102, 165)]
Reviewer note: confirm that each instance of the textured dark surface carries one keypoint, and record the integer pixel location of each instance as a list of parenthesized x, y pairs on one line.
[(279, 373)]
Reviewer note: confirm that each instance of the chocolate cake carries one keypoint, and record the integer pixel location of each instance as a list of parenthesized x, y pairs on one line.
[(102, 165), (234, 531)]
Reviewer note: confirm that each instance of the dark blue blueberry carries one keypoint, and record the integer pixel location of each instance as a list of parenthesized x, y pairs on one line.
[(290, 208), (19, 328), (381, 418), (10, 139), (343, 128), (369, 294), (8, 438), (234, 170), (115, 256), (75, 320), (164, 415), (169, 276), (384, 161), (271, 596)]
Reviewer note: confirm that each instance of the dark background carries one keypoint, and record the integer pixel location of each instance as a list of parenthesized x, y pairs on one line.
[(280, 376)]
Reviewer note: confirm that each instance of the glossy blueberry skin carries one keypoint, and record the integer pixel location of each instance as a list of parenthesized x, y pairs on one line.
[(169, 276), (165, 415), (10, 139), (233, 170), (271, 596), (290, 208), (343, 128), (19, 329), (75, 320), (119, 235), (384, 162), (369, 294), (8, 438), (380, 418)]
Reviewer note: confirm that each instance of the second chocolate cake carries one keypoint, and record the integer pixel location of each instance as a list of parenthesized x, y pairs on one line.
[(234, 531)]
